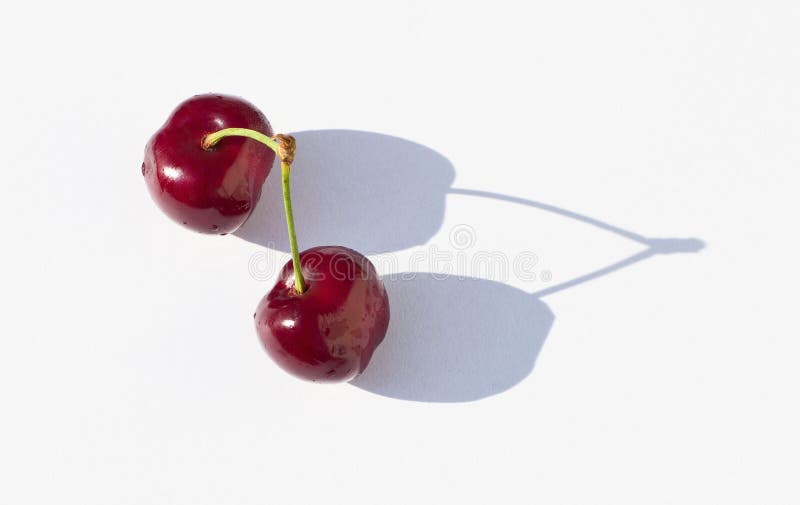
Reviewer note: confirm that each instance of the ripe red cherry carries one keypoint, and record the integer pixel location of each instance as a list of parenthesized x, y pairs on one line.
[(214, 190), (329, 332)]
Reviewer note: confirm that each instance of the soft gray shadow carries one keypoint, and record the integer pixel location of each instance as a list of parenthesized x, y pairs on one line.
[(652, 246), (458, 340), (371, 192), (453, 339), (450, 339)]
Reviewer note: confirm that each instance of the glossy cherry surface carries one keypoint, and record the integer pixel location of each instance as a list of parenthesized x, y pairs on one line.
[(329, 332), (214, 190)]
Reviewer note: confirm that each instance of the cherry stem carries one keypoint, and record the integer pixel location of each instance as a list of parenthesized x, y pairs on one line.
[(212, 139), (284, 147)]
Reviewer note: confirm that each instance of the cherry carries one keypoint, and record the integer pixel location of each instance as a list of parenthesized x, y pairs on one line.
[(325, 330), (208, 189), (329, 332)]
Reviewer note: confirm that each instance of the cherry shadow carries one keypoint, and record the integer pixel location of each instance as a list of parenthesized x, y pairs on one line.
[(455, 339), (371, 192), (450, 339)]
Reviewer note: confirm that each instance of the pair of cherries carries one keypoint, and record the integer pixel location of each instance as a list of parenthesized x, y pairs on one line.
[(205, 168)]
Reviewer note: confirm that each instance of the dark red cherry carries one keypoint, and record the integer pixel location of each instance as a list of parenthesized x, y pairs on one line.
[(214, 190), (329, 332)]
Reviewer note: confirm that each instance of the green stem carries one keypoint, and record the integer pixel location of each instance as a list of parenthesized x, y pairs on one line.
[(212, 139), (299, 282), (280, 149)]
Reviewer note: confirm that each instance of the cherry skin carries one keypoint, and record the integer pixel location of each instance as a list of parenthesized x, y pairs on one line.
[(329, 332), (214, 190)]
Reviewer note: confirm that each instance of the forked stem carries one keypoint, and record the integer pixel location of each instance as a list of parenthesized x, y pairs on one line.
[(284, 147)]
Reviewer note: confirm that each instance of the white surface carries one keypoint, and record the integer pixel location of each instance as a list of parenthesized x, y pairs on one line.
[(129, 369)]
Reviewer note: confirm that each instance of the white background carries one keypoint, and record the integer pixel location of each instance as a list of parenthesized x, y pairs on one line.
[(130, 372)]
